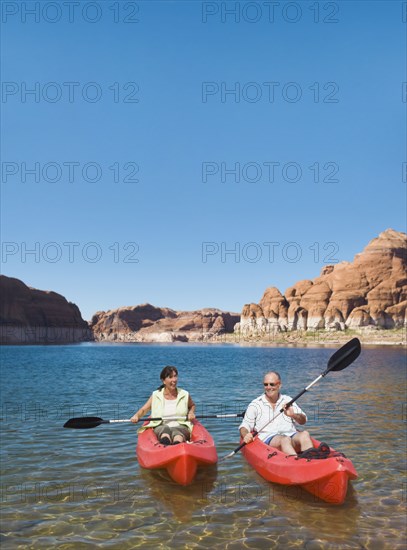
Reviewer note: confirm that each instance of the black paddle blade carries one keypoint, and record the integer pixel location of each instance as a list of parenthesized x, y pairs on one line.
[(344, 356), (84, 422)]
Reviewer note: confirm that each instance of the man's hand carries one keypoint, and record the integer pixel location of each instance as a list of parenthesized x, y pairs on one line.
[(289, 411), (297, 417)]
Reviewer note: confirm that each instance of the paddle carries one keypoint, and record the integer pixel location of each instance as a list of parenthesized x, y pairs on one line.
[(86, 422), (341, 359)]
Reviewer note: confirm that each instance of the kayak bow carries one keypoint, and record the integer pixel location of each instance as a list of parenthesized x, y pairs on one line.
[(181, 461)]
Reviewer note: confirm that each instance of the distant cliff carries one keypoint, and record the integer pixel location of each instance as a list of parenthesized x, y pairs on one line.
[(370, 292), (31, 316), (146, 323)]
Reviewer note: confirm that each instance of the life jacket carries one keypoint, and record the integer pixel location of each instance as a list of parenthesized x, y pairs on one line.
[(157, 409)]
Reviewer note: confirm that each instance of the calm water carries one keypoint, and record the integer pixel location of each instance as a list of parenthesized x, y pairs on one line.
[(74, 489)]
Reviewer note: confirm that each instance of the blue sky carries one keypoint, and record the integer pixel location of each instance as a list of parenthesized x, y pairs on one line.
[(196, 156)]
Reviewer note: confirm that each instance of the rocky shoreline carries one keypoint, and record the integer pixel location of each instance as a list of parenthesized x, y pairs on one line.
[(366, 298), (397, 338), (22, 335)]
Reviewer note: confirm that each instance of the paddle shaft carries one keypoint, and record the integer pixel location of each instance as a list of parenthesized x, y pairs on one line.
[(231, 415), (87, 422), (294, 399), (129, 420), (240, 415)]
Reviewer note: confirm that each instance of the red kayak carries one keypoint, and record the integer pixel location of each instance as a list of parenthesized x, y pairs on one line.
[(181, 461), (325, 478)]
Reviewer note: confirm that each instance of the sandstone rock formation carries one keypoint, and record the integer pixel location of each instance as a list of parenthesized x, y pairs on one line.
[(369, 292), (31, 316), (146, 323)]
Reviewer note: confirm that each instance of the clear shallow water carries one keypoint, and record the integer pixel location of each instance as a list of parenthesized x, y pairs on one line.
[(74, 489)]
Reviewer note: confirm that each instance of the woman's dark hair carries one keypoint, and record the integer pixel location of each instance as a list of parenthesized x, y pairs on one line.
[(167, 371)]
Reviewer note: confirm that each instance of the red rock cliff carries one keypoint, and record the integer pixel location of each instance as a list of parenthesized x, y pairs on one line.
[(371, 292), (146, 323), (31, 316)]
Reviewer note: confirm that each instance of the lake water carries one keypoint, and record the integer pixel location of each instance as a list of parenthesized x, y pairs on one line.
[(82, 489)]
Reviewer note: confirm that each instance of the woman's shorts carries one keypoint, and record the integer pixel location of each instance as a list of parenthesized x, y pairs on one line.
[(172, 431)]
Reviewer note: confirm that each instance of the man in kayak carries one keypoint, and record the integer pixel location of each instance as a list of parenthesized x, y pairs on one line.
[(274, 429), (172, 403)]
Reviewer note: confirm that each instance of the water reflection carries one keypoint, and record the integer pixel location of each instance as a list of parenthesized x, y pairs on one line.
[(182, 502), (294, 508)]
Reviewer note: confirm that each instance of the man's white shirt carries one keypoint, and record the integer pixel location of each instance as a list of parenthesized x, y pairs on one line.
[(261, 416)]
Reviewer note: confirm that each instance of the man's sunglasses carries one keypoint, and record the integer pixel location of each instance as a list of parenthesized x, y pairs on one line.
[(271, 384)]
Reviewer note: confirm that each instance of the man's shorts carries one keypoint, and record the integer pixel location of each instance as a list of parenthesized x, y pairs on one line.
[(268, 439)]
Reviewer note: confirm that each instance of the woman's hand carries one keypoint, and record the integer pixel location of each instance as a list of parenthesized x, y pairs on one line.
[(191, 416), (142, 411)]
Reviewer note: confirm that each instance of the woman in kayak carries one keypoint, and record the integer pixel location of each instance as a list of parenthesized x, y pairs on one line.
[(274, 429), (168, 401)]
